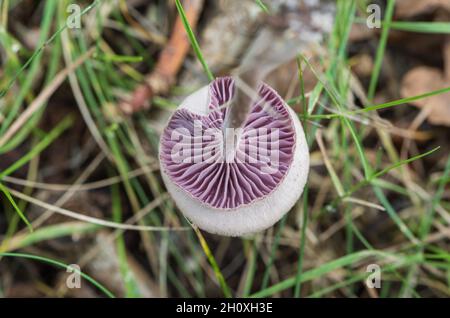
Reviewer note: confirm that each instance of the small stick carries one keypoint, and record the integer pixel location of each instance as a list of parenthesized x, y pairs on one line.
[(169, 62)]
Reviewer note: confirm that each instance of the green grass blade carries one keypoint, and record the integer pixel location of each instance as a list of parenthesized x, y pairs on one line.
[(302, 86), (324, 269), (393, 214), (403, 101), (35, 64), (44, 143), (223, 284), (131, 286), (298, 280), (337, 101), (425, 225), (28, 127), (359, 148), (262, 6), (47, 233), (273, 252), (250, 267), (403, 162), (378, 182), (367, 109), (381, 49), (43, 46), (362, 276), (50, 261), (15, 206), (422, 27)]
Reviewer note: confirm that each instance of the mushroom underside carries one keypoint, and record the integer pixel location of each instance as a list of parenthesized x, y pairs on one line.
[(248, 192)]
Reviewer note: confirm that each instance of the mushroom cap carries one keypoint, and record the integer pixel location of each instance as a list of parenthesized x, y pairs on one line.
[(240, 196)]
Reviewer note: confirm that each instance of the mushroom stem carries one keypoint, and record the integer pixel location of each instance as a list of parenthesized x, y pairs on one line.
[(246, 86), (238, 108), (262, 59)]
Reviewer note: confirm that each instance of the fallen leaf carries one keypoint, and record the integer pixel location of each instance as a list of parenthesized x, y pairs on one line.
[(447, 58), (360, 32), (362, 65), (408, 8), (422, 80)]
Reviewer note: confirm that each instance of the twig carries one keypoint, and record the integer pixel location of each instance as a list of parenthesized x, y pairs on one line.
[(169, 62)]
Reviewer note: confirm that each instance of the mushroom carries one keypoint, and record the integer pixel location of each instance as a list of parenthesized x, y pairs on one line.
[(236, 189)]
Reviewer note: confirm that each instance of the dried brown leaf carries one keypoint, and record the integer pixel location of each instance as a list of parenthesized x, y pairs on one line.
[(410, 8), (422, 80)]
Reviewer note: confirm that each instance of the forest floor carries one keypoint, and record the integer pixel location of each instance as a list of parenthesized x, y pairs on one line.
[(79, 131)]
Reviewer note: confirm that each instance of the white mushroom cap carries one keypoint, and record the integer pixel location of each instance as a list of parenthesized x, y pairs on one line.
[(243, 210)]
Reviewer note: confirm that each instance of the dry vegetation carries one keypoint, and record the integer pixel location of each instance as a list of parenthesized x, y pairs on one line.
[(81, 111)]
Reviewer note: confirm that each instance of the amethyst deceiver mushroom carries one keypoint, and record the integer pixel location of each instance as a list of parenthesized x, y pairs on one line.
[(253, 188)]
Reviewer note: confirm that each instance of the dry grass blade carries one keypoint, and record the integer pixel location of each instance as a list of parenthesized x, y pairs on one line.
[(44, 96), (85, 218), (82, 186)]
